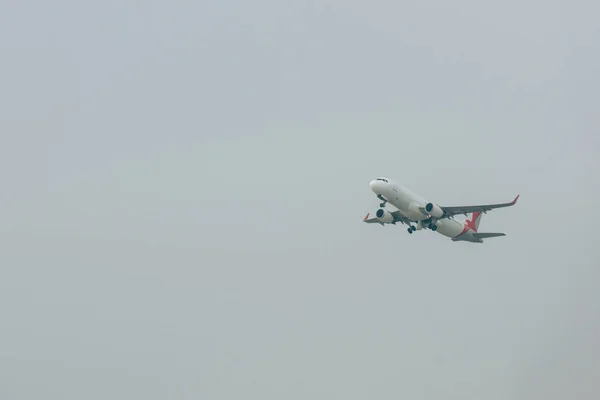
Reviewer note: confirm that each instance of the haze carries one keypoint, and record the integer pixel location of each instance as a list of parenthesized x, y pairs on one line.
[(183, 187)]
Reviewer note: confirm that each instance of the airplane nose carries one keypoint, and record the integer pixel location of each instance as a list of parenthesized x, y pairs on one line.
[(373, 185)]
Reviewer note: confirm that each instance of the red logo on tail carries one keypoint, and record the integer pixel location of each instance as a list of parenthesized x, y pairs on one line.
[(472, 223)]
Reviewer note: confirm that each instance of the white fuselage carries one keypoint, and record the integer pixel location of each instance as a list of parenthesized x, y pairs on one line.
[(409, 204)]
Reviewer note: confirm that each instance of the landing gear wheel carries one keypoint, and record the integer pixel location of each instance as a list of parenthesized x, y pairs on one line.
[(382, 205), (434, 228), (410, 231)]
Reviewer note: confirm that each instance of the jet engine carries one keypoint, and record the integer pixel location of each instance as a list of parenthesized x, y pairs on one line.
[(384, 216), (434, 210)]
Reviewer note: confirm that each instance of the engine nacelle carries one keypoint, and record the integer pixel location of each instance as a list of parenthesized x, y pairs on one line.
[(434, 210), (384, 216)]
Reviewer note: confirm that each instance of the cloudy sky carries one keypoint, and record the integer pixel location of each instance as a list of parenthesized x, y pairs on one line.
[(183, 187)]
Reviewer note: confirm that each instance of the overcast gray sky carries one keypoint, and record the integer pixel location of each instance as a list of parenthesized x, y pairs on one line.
[(184, 182)]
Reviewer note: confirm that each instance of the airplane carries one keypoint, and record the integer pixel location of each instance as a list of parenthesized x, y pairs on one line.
[(413, 209)]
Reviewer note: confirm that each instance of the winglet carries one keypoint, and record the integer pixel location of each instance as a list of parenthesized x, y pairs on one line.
[(515, 200), (366, 216)]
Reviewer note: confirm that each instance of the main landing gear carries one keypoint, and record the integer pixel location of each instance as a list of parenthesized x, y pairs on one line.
[(430, 224), (412, 228)]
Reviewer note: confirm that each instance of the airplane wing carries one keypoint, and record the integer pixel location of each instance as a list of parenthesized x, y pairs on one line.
[(451, 211), (398, 217)]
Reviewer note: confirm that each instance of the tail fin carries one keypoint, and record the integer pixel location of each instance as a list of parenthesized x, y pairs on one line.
[(473, 222)]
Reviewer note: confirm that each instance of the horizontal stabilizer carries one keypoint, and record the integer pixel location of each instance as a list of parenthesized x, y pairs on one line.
[(485, 235)]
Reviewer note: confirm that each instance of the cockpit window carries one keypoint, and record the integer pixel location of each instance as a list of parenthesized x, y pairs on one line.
[(381, 179)]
